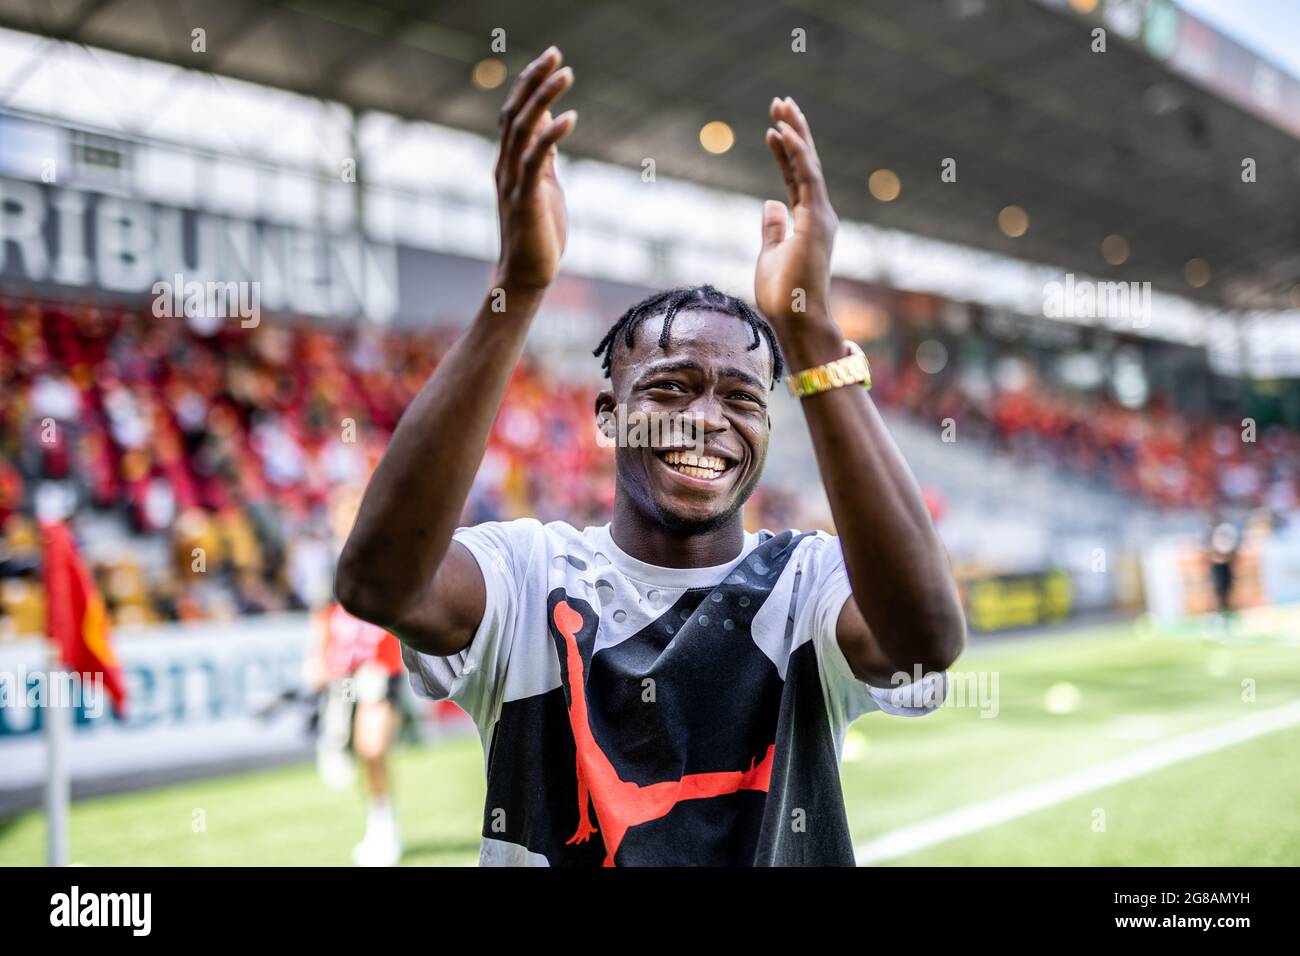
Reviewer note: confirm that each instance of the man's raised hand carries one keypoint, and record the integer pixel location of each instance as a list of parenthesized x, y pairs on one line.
[(793, 273), (530, 203)]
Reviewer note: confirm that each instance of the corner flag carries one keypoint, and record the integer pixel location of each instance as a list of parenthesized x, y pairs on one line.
[(76, 619)]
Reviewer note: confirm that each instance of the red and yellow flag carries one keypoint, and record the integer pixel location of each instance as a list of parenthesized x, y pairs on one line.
[(75, 617)]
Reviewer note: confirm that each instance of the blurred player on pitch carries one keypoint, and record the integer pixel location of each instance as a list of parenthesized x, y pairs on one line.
[(357, 668)]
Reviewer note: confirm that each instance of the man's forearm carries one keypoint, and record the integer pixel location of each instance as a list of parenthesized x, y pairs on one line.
[(416, 497), (899, 570)]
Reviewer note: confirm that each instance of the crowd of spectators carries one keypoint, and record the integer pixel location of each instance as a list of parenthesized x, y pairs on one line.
[(221, 451), (1155, 454)]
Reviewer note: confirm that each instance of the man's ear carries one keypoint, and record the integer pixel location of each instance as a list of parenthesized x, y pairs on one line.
[(606, 408)]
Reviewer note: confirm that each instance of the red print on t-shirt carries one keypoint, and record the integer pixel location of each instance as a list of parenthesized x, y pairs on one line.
[(621, 805)]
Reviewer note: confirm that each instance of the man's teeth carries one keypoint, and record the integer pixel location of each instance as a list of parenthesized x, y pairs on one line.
[(697, 466)]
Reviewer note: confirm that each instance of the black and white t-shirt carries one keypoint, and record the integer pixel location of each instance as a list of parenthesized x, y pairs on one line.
[(638, 715)]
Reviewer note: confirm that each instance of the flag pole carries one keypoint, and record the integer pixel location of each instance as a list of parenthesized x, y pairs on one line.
[(56, 766)]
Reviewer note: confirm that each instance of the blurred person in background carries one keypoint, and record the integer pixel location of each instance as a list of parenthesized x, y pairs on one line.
[(356, 667), (1222, 544)]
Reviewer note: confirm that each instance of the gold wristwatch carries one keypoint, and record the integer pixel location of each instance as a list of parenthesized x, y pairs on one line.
[(850, 370)]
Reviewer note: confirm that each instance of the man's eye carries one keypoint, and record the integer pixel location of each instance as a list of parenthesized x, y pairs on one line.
[(744, 396), (665, 383)]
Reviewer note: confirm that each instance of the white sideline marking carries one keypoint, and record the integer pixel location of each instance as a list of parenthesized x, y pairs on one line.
[(1018, 803)]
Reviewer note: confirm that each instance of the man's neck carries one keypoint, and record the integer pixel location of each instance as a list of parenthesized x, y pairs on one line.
[(650, 541)]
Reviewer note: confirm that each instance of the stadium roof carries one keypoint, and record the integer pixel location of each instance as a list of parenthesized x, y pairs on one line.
[(1089, 144)]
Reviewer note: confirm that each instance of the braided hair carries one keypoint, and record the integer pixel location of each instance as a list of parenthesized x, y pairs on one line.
[(669, 303)]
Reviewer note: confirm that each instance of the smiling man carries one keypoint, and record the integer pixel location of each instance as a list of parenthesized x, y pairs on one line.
[(667, 688)]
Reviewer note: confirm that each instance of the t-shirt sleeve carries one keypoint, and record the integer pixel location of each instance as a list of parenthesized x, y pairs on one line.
[(474, 677), (847, 697)]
